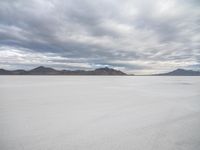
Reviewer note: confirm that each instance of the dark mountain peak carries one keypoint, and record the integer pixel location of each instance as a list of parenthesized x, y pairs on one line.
[(2, 69), (4, 72), (179, 70), (41, 68), (13, 72), (108, 71), (104, 68), (182, 72)]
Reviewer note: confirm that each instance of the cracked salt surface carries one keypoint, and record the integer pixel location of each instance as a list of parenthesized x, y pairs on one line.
[(99, 113)]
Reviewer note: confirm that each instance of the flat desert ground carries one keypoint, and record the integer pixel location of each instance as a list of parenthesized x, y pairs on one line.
[(99, 113)]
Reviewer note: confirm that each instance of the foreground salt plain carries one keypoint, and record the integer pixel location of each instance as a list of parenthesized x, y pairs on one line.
[(99, 113)]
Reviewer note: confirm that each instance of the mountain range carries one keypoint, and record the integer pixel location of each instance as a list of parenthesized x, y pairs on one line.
[(100, 71), (181, 72), (50, 71)]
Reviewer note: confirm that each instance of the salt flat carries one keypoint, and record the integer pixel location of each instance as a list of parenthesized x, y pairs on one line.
[(99, 113)]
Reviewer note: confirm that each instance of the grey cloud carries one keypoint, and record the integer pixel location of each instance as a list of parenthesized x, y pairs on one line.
[(103, 32)]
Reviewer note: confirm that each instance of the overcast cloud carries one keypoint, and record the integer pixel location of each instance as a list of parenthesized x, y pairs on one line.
[(136, 36)]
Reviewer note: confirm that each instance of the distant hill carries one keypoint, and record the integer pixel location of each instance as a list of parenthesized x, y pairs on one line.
[(106, 70), (50, 71), (43, 71), (181, 72)]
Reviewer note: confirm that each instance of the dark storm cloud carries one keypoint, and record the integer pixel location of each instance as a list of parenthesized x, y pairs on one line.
[(132, 34)]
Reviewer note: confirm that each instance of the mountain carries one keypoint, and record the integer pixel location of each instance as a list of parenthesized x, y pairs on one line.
[(41, 70), (4, 72), (13, 72), (181, 72), (108, 71)]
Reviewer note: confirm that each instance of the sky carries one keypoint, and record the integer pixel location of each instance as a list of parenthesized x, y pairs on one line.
[(135, 36)]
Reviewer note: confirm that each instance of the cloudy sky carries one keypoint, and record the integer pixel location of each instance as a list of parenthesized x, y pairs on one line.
[(136, 36)]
